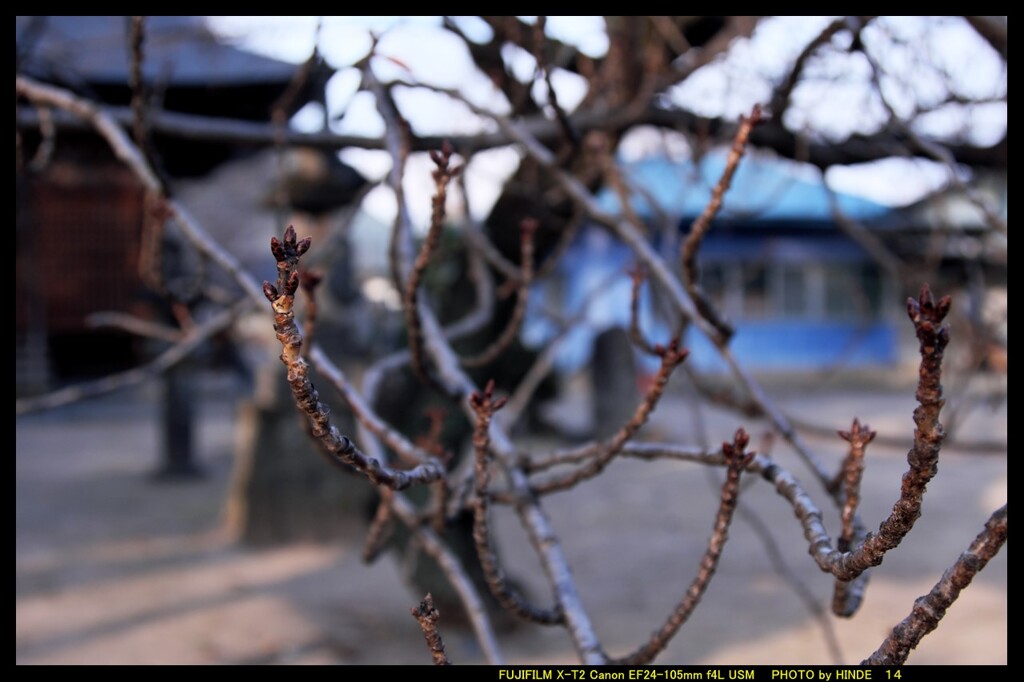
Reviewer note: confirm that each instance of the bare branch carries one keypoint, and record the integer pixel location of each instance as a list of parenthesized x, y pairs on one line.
[(135, 325), (773, 135), (781, 97), (282, 298), (442, 174), (736, 461), (700, 226), (163, 362), (843, 603), (527, 229), (930, 609), (508, 596), (671, 357)]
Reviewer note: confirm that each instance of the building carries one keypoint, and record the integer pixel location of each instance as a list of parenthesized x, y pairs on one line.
[(79, 210), (801, 294)]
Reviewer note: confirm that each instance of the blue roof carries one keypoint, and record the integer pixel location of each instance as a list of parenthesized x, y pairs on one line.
[(179, 51), (763, 189)]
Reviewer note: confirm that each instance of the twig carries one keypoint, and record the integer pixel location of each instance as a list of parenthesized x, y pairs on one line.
[(47, 143), (380, 527), (799, 588), (442, 174), (508, 596), (700, 226), (163, 362), (937, 152), (569, 134), (397, 142), (402, 509), (781, 97), (671, 357), (930, 609), (135, 325), (867, 239), (282, 298), (527, 229), (736, 461), (431, 441), (453, 570), (426, 615), (635, 334), (647, 451), (138, 103), (362, 410), (843, 603), (544, 362)]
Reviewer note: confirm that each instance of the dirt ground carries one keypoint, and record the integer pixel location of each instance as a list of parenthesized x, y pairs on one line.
[(112, 567)]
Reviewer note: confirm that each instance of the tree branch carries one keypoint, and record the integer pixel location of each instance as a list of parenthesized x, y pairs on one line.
[(930, 609)]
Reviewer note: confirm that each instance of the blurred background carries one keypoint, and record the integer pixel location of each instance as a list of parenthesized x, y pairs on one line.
[(172, 511)]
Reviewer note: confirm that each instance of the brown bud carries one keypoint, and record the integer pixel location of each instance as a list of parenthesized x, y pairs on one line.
[(303, 246), (741, 439), (292, 284), (270, 291), (277, 249), (289, 235), (913, 309)]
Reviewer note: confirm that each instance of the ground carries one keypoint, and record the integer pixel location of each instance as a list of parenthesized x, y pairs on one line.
[(112, 567)]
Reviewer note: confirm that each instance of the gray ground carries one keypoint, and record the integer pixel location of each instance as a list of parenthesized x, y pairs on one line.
[(113, 568)]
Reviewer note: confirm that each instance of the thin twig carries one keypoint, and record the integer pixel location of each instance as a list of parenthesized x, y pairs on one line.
[(799, 588), (527, 229), (160, 364), (135, 84), (671, 357), (508, 596), (635, 334), (646, 451), (736, 461), (47, 143), (426, 615), (135, 325), (442, 174), (569, 134), (843, 603), (544, 362), (936, 151), (700, 227), (380, 527), (781, 97), (930, 609)]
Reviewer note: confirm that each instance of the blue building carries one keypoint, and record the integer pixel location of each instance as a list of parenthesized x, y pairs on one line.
[(801, 294)]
